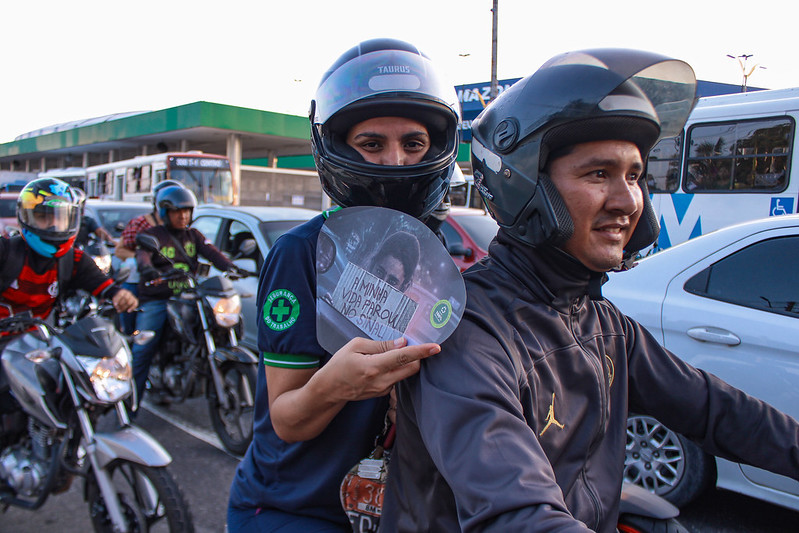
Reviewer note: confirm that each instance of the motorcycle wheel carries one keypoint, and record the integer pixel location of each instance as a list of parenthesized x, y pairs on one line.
[(233, 425), (642, 524), (151, 500)]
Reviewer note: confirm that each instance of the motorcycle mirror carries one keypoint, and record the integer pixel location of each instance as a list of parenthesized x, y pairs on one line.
[(148, 242), (247, 247)]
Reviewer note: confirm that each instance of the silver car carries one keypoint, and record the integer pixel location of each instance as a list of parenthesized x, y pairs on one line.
[(728, 303), (227, 227)]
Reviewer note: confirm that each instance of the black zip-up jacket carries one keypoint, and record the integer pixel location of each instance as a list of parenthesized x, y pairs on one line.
[(186, 256), (519, 423)]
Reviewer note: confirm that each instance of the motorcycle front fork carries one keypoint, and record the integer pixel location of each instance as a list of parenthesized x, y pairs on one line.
[(100, 474), (211, 348)]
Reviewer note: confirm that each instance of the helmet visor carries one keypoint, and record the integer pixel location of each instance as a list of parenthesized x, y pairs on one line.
[(48, 215), (591, 78), (381, 72)]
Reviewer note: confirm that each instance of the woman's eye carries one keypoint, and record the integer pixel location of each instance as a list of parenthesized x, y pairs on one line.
[(414, 145)]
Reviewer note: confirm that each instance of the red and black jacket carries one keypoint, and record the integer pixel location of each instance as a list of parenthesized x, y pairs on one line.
[(31, 282)]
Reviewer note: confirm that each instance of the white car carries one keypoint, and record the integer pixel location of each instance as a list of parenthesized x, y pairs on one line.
[(227, 227), (728, 303)]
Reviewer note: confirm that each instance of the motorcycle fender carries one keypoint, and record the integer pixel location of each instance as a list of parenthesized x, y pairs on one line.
[(238, 354), (131, 444), (636, 500)]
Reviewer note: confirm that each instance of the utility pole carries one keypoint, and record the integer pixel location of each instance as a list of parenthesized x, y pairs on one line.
[(494, 88)]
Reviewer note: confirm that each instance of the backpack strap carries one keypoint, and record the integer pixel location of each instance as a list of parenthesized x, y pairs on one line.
[(14, 261), (66, 264)]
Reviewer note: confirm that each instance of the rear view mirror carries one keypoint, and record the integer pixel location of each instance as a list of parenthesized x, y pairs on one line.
[(460, 250), (147, 242), (247, 247)]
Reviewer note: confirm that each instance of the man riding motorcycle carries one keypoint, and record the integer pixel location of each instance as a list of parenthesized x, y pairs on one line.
[(183, 245), (42, 264)]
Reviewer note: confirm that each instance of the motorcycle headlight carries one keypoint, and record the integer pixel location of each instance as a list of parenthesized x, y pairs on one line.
[(226, 310), (103, 262), (111, 377)]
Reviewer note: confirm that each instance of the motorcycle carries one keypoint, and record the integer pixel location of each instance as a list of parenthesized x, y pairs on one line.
[(65, 384), (199, 352)]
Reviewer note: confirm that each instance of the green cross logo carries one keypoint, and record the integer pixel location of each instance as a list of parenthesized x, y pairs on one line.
[(440, 314), (281, 310)]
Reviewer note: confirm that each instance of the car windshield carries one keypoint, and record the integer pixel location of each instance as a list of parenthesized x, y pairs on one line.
[(480, 228), (274, 229), (115, 220), (8, 207)]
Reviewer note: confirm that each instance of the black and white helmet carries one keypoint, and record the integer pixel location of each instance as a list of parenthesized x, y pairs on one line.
[(577, 97), (381, 78)]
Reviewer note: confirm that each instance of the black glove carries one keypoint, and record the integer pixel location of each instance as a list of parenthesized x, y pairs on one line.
[(148, 272)]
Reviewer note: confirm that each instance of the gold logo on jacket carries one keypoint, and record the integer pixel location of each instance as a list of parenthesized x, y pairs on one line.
[(551, 420)]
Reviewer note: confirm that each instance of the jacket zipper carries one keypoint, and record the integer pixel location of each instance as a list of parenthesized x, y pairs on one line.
[(603, 412)]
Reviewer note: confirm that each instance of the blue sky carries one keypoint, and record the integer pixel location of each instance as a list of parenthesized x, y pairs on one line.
[(66, 61)]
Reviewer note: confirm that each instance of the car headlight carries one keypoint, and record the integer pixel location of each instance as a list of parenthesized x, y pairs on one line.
[(111, 377), (226, 310), (103, 262)]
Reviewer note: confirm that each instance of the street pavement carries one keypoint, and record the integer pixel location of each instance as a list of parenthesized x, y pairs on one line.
[(204, 472)]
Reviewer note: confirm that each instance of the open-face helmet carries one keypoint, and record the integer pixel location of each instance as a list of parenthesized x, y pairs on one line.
[(49, 213), (577, 97), (158, 187), (172, 199), (384, 78)]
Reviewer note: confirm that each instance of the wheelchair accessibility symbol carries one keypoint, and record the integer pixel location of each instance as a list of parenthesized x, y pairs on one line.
[(781, 206)]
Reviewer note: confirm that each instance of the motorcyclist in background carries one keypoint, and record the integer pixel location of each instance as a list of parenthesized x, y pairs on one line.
[(125, 250), (89, 225), (42, 263), (181, 244)]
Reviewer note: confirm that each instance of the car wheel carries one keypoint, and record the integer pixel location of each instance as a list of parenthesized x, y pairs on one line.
[(665, 462)]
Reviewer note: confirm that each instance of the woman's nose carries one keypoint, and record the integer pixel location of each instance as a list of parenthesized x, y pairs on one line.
[(393, 156)]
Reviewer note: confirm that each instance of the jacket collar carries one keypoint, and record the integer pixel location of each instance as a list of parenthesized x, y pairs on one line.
[(549, 272)]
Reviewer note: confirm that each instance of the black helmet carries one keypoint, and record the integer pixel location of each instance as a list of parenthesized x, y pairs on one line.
[(163, 185), (49, 211), (577, 97), (174, 198), (383, 78)]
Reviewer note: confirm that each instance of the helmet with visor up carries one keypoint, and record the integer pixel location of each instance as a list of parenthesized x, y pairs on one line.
[(577, 97)]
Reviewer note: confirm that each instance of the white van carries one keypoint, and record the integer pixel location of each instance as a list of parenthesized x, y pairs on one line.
[(732, 163)]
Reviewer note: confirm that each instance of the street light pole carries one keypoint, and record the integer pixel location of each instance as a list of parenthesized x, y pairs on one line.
[(494, 88)]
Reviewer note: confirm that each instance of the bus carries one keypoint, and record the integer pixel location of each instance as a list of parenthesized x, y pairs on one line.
[(75, 176), (206, 175), (731, 163)]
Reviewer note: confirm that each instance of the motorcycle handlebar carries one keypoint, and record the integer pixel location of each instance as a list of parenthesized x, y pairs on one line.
[(21, 323), (174, 273)]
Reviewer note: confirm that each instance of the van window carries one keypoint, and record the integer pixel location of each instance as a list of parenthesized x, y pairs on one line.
[(663, 166), (746, 156)]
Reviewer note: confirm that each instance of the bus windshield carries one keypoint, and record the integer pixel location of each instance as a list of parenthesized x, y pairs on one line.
[(210, 185)]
